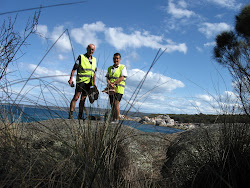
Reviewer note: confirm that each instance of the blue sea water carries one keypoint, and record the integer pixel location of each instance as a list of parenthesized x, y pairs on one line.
[(30, 114), (151, 128)]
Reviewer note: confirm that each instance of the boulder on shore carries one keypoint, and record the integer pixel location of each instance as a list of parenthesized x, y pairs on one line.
[(163, 120)]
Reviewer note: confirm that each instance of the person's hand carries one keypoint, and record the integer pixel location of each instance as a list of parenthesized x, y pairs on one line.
[(70, 81), (112, 85)]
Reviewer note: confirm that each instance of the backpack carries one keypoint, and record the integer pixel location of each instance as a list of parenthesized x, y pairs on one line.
[(93, 94)]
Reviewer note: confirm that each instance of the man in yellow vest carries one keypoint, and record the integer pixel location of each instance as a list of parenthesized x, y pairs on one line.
[(85, 78), (116, 77)]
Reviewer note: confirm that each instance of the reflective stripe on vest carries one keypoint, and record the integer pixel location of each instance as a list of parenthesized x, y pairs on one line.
[(121, 85), (86, 71), (88, 76), (113, 77)]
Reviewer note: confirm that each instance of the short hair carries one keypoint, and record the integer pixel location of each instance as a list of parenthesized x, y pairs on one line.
[(116, 54)]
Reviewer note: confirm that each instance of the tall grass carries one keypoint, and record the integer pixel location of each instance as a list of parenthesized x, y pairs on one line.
[(61, 152), (213, 156), (69, 153), (73, 153)]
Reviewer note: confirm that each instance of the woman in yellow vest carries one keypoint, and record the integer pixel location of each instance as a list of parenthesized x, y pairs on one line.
[(116, 77), (85, 78)]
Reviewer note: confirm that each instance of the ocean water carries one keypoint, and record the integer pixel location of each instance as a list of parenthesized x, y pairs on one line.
[(151, 128), (30, 114)]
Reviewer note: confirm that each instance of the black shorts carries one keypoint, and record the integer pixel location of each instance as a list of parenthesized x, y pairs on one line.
[(84, 88), (116, 96)]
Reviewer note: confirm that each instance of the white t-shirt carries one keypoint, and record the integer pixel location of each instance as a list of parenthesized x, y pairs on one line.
[(124, 71)]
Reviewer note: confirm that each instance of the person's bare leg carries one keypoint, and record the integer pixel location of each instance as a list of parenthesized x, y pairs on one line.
[(112, 104), (117, 110), (74, 100), (113, 112), (82, 107), (73, 103)]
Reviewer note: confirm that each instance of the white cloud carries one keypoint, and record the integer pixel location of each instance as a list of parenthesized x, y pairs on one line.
[(179, 11), (61, 57), (115, 36), (155, 82), (120, 40), (219, 16), (63, 43), (87, 34), (158, 102), (179, 16), (176, 47), (182, 4), (211, 29), (231, 4), (42, 30), (227, 102), (230, 95), (157, 97), (134, 55), (199, 49), (226, 96), (154, 93), (207, 98), (210, 44), (45, 72)]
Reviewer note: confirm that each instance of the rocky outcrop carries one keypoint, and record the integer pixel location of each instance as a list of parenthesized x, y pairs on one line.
[(164, 120), (161, 120)]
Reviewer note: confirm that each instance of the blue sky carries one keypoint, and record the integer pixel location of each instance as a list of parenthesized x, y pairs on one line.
[(184, 80)]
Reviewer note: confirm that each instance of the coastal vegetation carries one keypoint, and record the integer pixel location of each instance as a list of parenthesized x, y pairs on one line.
[(207, 118), (218, 155), (74, 153)]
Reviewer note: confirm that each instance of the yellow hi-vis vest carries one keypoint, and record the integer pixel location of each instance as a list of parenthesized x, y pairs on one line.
[(86, 71), (113, 77)]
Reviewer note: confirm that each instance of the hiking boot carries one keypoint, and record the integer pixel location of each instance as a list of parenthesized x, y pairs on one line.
[(70, 115), (80, 117), (115, 122)]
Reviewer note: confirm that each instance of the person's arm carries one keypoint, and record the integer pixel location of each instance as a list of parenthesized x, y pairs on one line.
[(112, 85), (94, 80), (71, 77), (76, 65), (119, 80), (107, 79), (109, 82)]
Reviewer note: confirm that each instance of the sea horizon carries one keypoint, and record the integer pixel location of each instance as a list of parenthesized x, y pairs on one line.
[(32, 113)]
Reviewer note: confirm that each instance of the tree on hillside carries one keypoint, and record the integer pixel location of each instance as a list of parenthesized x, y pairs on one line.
[(232, 51)]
